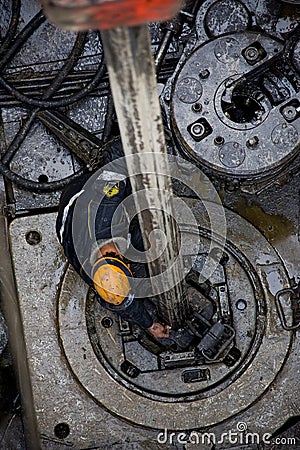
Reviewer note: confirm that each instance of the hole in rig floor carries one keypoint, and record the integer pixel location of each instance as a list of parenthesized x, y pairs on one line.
[(242, 109), (212, 346)]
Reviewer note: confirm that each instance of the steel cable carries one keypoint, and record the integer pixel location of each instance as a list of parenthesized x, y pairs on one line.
[(68, 66)]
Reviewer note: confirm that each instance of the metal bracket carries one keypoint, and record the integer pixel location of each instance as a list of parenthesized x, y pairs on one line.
[(9, 211), (294, 294), (84, 144)]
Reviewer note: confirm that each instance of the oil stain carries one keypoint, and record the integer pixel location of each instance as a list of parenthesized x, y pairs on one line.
[(274, 227)]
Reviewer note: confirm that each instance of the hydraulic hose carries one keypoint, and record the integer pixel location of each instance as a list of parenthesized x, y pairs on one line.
[(43, 102)]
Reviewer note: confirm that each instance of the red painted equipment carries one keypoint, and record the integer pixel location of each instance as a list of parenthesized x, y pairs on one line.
[(105, 14)]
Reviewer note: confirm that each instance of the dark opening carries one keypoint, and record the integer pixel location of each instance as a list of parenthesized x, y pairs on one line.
[(43, 178), (242, 109), (62, 430)]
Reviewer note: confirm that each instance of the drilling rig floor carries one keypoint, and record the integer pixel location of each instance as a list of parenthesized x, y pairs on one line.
[(76, 375)]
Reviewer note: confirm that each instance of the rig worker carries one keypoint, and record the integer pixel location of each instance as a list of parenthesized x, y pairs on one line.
[(96, 255)]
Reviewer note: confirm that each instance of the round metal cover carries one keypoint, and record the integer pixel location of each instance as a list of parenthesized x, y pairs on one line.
[(227, 50), (189, 90), (232, 154), (95, 344), (234, 108), (225, 16), (285, 136)]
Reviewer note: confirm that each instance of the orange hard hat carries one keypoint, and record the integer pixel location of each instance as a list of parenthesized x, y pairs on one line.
[(111, 278)]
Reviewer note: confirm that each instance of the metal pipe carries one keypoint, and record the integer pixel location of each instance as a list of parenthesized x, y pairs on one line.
[(162, 49), (133, 84)]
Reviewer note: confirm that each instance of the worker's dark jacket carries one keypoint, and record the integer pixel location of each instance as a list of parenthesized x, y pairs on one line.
[(80, 205)]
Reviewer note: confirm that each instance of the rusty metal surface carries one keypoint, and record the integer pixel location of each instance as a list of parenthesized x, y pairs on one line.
[(275, 357), (273, 342), (68, 401)]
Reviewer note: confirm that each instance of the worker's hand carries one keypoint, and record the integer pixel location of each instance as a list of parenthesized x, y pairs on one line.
[(159, 331)]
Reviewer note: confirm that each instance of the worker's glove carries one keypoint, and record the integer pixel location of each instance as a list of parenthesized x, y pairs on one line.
[(159, 331)]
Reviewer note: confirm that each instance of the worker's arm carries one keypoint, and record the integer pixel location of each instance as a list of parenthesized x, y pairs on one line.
[(137, 313)]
